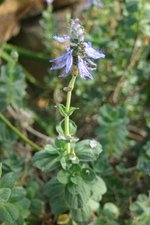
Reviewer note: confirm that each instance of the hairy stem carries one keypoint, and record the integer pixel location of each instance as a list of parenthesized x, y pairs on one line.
[(23, 137), (68, 102)]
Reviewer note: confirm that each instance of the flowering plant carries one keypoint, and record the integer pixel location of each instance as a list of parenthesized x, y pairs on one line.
[(79, 53), (71, 159)]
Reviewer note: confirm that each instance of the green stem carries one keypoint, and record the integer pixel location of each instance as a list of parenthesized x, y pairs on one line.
[(68, 102), (23, 137)]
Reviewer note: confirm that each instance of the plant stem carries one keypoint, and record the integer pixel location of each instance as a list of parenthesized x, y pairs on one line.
[(23, 137), (68, 102)]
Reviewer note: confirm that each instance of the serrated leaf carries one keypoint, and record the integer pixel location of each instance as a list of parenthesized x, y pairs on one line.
[(88, 150), (72, 109), (77, 195), (98, 188), (93, 205), (81, 215), (7, 137), (56, 192), (61, 128), (48, 159), (12, 77), (9, 214), (88, 174), (62, 110), (4, 194), (17, 194), (63, 177), (23, 207), (63, 163), (36, 205), (111, 210), (9, 180), (112, 131)]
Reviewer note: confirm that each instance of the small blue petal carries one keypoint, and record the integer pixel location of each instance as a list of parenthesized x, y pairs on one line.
[(59, 59), (92, 53), (59, 66), (92, 64), (61, 39), (69, 62), (83, 69)]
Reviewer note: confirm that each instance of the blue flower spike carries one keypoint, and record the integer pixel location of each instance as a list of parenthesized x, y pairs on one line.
[(79, 53)]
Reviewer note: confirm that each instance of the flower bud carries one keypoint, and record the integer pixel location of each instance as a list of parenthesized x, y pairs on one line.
[(77, 32)]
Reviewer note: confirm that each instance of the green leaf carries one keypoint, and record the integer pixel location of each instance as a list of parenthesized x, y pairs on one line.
[(71, 111), (13, 204), (143, 164), (88, 150), (111, 210), (63, 177), (141, 205), (32, 189), (5, 194), (47, 159), (93, 205), (77, 195), (55, 191), (9, 214), (112, 130), (9, 180), (72, 127), (81, 215), (12, 77), (36, 205), (63, 163), (98, 188), (147, 148), (17, 194), (62, 109), (61, 128), (7, 137), (88, 174), (23, 206)]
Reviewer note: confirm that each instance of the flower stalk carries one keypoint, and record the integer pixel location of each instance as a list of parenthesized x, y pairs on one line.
[(68, 104)]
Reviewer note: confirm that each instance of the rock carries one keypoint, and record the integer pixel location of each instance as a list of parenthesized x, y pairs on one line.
[(12, 11)]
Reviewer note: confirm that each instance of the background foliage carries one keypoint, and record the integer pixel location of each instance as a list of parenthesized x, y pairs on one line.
[(113, 109)]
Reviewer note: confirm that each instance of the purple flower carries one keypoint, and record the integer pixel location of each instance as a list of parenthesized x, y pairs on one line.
[(93, 3), (65, 60), (91, 52), (61, 39), (79, 53), (83, 69)]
